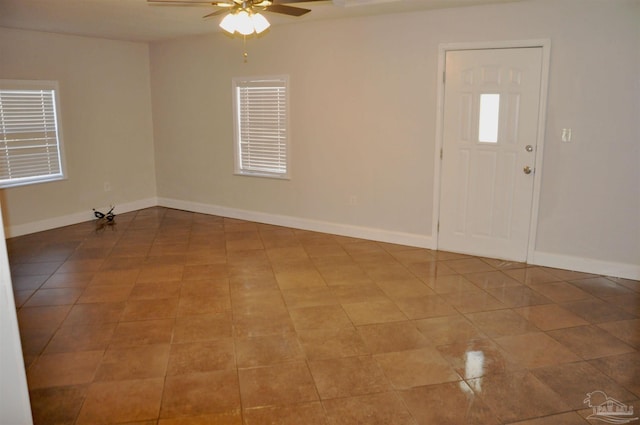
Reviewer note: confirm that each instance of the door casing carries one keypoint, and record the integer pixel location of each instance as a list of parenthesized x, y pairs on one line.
[(545, 44)]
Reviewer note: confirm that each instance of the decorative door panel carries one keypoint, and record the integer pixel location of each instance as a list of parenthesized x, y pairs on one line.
[(489, 136)]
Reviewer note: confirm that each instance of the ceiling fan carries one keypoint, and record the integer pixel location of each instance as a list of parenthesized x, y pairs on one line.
[(243, 16)]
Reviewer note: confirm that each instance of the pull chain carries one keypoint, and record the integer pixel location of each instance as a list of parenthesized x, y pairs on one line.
[(245, 55)]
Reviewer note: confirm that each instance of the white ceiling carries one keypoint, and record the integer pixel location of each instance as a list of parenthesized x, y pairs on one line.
[(135, 20)]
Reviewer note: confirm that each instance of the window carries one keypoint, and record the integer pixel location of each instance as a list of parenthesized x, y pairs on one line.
[(261, 121), (30, 145), (489, 118)]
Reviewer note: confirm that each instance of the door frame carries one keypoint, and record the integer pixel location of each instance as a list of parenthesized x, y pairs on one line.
[(443, 48)]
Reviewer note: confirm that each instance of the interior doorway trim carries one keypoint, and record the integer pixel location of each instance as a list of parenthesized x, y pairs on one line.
[(443, 48)]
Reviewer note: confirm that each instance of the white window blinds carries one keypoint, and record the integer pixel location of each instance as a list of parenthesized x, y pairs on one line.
[(29, 142), (261, 126)]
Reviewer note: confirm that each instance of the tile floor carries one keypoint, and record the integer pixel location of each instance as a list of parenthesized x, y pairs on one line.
[(171, 318)]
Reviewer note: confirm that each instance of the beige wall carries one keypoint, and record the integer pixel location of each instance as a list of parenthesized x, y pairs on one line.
[(363, 110), (358, 124), (106, 123)]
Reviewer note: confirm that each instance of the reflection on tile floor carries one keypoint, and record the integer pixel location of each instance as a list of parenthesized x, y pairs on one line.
[(170, 317)]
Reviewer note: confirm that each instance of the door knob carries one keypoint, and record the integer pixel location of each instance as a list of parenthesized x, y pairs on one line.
[(527, 170), (529, 148)]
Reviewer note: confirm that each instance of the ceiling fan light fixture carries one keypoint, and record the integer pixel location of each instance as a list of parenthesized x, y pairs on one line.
[(229, 23), (260, 23), (244, 24)]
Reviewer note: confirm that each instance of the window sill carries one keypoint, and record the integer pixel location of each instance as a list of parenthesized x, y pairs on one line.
[(262, 175), (28, 182)]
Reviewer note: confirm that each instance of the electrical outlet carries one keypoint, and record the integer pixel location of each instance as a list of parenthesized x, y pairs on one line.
[(353, 200), (107, 186), (566, 135)]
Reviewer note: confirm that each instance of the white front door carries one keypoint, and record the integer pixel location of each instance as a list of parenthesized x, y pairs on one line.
[(490, 124)]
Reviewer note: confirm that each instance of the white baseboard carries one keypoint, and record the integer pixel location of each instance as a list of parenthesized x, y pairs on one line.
[(75, 218), (567, 262), (586, 265), (369, 233)]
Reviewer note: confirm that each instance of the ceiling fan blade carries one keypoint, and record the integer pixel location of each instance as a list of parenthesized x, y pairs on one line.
[(216, 13), (287, 10), (293, 1), (188, 3)]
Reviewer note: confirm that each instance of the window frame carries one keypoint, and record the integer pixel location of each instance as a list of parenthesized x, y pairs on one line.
[(242, 82), (37, 85)]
